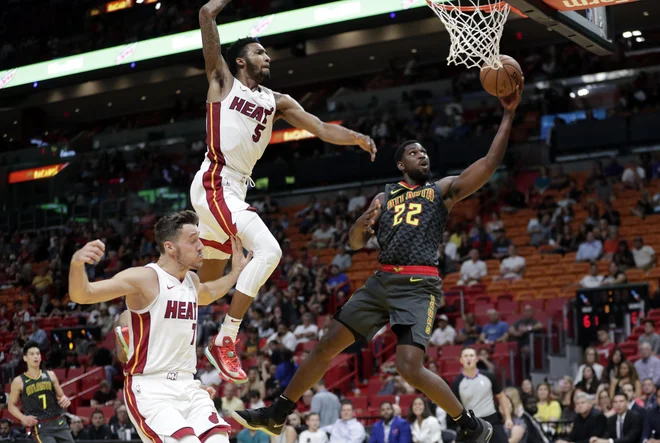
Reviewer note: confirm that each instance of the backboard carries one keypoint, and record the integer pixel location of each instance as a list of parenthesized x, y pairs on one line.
[(589, 27)]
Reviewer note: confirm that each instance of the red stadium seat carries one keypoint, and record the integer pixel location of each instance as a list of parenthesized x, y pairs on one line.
[(375, 401), (360, 403)]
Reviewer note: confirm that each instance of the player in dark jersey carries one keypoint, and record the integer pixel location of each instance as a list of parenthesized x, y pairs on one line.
[(408, 219), (42, 400)]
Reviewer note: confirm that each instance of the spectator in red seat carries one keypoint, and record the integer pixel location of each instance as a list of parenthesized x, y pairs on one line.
[(623, 256), (38, 335), (323, 236), (593, 279), (485, 363), (627, 374), (547, 408), (624, 427), (326, 404), (616, 358), (78, 428), (501, 245), (495, 331), (612, 243), (286, 369), (255, 400), (525, 326), (98, 430), (471, 331), (254, 383), (313, 434), (209, 376), (612, 216), (307, 330), (229, 401), (605, 347), (648, 393), (473, 270), (338, 281), (644, 206), (590, 422), (43, 280), (644, 255), (7, 431), (650, 336), (424, 427), (305, 403), (615, 277), (390, 428), (444, 334), (105, 396), (284, 336), (342, 259), (590, 250), (588, 382), (590, 359), (648, 366), (513, 266), (633, 176), (21, 314), (347, 429), (121, 426)]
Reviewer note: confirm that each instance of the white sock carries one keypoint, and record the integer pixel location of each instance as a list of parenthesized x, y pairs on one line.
[(229, 329)]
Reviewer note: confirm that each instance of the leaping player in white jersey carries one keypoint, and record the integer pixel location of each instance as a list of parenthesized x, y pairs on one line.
[(239, 123), (165, 403)]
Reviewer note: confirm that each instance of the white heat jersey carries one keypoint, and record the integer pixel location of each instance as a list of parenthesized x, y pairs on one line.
[(162, 336), (239, 128)]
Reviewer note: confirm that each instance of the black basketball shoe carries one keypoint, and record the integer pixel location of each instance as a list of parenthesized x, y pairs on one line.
[(270, 420), (481, 434)]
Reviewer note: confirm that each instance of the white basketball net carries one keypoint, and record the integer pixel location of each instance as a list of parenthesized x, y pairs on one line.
[(475, 34)]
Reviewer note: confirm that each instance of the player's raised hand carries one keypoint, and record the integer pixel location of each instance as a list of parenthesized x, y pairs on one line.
[(210, 389), (511, 102), (91, 253), (64, 401), (370, 217), (29, 420), (238, 258), (367, 143)]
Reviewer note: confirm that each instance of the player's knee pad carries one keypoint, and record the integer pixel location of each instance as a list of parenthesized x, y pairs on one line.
[(184, 439)]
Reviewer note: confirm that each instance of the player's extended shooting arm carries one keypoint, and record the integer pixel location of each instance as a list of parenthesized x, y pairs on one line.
[(216, 67), (479, 172), (294, 114), (83, 292), (364, 226)]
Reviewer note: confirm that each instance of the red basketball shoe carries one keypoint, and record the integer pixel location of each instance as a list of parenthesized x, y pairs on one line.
[(226, 361)]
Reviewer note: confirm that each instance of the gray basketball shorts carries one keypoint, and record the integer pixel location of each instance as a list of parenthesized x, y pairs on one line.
[(401, 299)]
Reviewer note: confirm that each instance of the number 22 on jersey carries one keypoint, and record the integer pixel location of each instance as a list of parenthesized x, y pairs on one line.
[(408, 211)]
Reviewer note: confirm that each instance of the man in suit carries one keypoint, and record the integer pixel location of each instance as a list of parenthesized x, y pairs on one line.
[(589, 422), (623, 427), (629, 390), (397, 428), (651, 432)]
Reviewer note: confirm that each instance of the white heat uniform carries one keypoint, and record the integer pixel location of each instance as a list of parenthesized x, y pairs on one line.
[(163, 398), (238, 130)]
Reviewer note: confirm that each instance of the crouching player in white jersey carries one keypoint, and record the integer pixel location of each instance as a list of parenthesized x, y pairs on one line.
[(165, 403), (239, 123)]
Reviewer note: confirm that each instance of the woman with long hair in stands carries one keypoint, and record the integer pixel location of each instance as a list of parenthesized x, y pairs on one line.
[(425, 428), (548, 410), (518, 433), (590, 359), (627, 374), (589, 382), (612, 370), (604, 403)]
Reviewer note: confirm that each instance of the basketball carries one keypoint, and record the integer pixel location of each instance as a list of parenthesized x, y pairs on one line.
[(502, 82)]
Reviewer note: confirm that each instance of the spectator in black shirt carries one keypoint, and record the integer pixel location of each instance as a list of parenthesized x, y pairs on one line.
[(98, 430), (500, 245), (612, 216), (623, 256), (588, 423), (105, 396), (78, 429), (7, 432)]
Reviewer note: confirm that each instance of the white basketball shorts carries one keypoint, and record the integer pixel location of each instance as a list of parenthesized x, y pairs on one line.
[(217, 193), (171, 405)]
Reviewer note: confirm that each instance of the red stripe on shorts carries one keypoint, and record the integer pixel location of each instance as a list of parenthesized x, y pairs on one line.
[(212, 180), (131, 402), (411, 270), (183, 432), (217, 429), (141, 326), (222, 247)]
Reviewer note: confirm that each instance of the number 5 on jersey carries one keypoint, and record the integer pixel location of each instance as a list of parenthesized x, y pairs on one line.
[(413, 209)]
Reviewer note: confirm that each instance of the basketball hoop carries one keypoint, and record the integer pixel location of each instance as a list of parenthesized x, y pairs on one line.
[(475, 28)]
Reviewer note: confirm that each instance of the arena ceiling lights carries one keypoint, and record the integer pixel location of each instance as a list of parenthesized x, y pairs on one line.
[(280, 23)]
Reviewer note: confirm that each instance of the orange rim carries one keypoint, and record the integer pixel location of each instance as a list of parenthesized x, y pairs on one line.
[(497, 6)]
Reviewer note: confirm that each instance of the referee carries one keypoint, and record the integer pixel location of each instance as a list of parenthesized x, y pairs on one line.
[(476, 390)]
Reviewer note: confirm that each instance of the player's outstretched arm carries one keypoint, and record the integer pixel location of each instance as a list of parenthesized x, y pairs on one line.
[(364, 226), (294, 114), (12, 406), (211, 291), (217, 69), (83, 292), (456, 188)]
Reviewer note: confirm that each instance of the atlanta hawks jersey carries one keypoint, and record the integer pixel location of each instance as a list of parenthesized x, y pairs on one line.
[(411, 225), (162, 336), (238, 128)]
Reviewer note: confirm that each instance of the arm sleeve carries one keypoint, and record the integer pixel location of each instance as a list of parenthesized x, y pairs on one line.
[(497, 388)]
